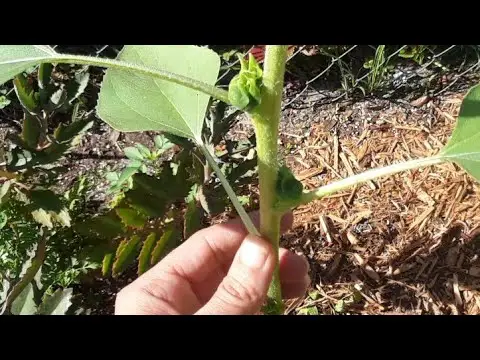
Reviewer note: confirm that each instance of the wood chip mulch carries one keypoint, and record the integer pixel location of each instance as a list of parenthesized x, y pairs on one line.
[(405, 244)]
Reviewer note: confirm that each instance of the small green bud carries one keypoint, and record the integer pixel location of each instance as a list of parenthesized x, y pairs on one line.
[(288, 187), (244, 90)]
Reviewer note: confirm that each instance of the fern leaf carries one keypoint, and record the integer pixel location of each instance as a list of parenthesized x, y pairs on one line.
[(125, 254), (146, 253), (166, 241)]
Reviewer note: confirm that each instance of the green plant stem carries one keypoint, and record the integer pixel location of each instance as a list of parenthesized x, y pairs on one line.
[(213, 91), (231, 194), (36, 264), (266, 118), (359, 178)]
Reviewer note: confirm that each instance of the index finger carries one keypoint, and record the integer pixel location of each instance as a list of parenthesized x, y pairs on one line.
[(215, 246)]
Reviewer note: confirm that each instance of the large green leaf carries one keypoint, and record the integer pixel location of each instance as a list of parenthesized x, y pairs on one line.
[(26, 94), (463, 147), (130, 101), (15, 59), (101, 227), (31, 130), (56, 304), (24, 304)]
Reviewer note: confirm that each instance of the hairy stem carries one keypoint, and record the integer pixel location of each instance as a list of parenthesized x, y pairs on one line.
[(213, 91), (266, 118), (357, 179), (37, 263)]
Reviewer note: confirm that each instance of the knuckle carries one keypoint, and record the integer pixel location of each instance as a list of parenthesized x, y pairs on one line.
[(238, 293)]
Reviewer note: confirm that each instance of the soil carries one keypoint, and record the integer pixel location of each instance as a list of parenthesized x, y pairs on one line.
[(402, 245)]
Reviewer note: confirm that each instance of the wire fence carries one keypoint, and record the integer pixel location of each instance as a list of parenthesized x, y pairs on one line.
[(408, 71), (402, 71)]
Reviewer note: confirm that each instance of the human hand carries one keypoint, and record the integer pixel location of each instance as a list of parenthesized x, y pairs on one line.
[(220, 270)]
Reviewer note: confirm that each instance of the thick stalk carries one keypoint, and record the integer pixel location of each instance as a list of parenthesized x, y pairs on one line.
[(266, 118), (358, 179)]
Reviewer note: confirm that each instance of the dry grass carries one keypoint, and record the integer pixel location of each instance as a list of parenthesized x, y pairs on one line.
[(399, 245)]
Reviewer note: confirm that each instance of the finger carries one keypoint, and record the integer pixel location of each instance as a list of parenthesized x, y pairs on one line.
[(294, 290), (209, 251), (243, 290), (293, 267), (294, 277)]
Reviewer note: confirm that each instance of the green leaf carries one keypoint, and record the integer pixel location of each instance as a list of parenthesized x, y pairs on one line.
[(162, 143), (44, 75), (151, 195), (244, 168), (4, 191), (31, 130), (340, 307), (244, 199), (15, 59), (106, 226), (168, 240), (107, 263), (311, 310), (25, 93), (146, 253), (288, 187), (62, 217), (46, 199), (131, 217), (24, 304), (244, 90), (131, 101), (314, 295), (112, 177), (238, 93), (4, 289), (463, 147), (73, 130), (42, 217), (133, 153), (144, 151), (77, 86), (193, 218), (56, 304), (3, 219), (4, 102), (125, 255), (127, 173)]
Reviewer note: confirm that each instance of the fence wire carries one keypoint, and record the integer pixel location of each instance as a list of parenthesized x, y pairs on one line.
[(407, 71)]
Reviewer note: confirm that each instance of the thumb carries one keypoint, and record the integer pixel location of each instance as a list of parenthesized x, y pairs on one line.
[(244, 289)]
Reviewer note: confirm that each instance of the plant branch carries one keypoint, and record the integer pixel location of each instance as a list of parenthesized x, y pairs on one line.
[(372, 174), (37, 263), (231, 194), (193, 84)]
